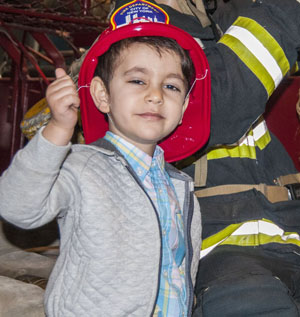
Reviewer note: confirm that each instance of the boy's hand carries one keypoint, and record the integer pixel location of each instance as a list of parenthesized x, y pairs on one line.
[(63, 100)]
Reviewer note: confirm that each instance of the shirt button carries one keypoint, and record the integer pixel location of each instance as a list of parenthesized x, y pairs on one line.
[(139, 171), (164, 232), (160, 191), (165, 273)]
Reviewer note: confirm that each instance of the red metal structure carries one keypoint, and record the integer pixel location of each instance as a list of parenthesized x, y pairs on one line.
[(31, 33)]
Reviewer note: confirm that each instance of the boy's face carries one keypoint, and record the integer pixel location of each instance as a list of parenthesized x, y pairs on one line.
[(147, 96)]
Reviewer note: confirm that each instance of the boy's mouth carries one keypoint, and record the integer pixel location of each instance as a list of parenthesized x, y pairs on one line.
[(151, 116)]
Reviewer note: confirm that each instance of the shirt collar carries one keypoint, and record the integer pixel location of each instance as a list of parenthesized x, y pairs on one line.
[(140, 161)]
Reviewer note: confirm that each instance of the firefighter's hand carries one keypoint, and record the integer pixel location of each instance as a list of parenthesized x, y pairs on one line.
[(63, 101), (298, 105)]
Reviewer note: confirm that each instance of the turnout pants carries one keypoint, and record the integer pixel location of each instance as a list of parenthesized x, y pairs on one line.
[(249, 281)]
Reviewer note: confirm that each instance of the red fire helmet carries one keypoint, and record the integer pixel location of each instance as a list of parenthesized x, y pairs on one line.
[(143, 18)]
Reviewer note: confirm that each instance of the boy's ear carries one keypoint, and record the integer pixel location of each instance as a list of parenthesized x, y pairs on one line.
[(184, 106), (99, 94)]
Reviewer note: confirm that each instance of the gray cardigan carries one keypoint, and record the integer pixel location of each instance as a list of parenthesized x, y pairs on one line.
[(110, 251)]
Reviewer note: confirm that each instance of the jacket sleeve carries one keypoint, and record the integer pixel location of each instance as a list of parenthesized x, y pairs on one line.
[(258, 49), (29, 184)]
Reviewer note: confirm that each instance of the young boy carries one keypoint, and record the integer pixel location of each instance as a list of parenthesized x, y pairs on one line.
[(130, 226)]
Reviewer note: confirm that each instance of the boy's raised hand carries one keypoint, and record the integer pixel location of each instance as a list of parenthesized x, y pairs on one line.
[(63, 100)]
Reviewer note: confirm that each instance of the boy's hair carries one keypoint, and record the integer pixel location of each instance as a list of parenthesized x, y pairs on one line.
[(108, 61)]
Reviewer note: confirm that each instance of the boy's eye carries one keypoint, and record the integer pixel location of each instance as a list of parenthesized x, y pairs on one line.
[(136, 81), (172, 87)]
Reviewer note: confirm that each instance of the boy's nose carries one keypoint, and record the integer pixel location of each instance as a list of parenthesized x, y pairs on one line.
[(154, 95)]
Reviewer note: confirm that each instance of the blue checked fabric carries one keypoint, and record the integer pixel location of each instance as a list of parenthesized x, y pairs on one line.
[(171, 299)]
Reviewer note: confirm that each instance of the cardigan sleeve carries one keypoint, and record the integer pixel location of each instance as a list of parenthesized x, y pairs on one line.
[(29, 187)]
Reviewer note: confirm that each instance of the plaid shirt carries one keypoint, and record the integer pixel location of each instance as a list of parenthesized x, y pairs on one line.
[(171, 299)]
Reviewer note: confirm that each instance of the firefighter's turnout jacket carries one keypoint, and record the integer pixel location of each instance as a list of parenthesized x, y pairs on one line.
[(258, 49)]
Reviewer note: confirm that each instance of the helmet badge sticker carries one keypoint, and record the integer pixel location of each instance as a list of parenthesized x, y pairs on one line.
[(138, 11)]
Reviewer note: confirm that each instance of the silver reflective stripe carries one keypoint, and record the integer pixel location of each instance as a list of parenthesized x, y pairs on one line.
[(258, 50)]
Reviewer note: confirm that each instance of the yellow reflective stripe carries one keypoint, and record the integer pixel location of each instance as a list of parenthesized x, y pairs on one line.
[(250, 60), (267, 40), (261, 133), (213, 241), (249, 233), (242, 151), (257, 239), (258, 50), (220, 236), (263, 141), (245, 147)]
